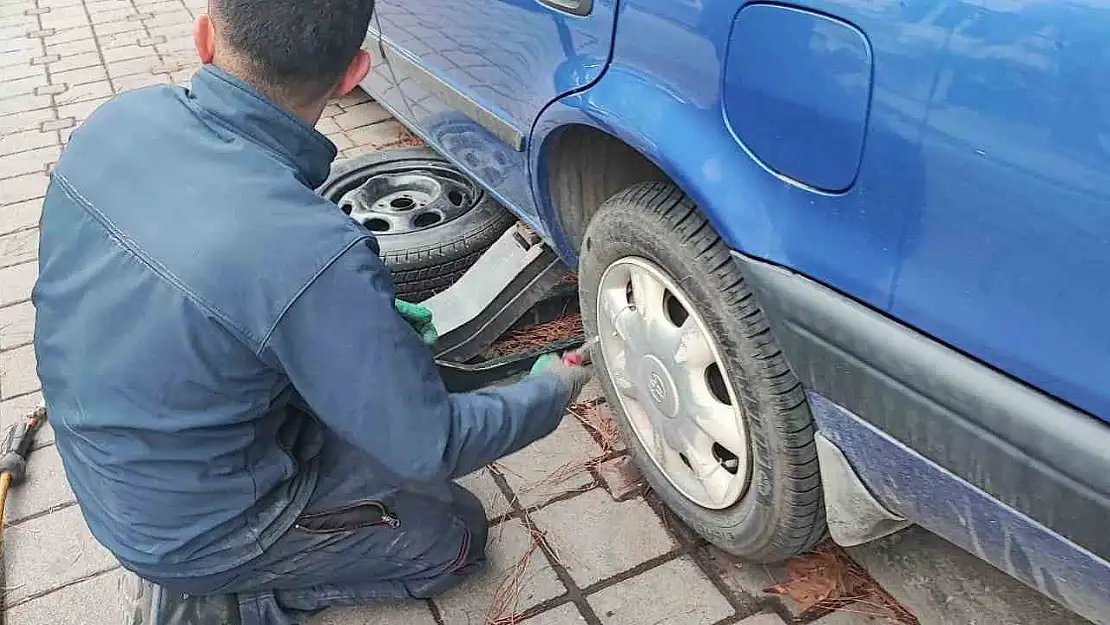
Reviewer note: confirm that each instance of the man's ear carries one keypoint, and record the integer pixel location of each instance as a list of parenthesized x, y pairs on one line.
[(204, 38), (357, 70)]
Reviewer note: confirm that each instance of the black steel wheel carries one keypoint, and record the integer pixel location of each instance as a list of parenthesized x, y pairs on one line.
[(431, 220)]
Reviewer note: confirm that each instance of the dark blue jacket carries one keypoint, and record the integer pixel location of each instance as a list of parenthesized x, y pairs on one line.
[(194, 293)]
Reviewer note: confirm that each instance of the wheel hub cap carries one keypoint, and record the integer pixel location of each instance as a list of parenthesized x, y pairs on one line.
[(409, 199), (672, 383)]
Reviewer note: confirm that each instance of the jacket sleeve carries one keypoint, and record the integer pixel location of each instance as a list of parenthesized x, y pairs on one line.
[(368, 377)]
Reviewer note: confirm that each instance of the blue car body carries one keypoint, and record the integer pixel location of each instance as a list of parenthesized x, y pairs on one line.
[(920, 190)]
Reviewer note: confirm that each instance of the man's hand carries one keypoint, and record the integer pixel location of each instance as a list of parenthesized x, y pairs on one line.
[(420, 318), (573, 377)]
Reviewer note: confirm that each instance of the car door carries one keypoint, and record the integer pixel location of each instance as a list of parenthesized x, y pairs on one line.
[(477, 73)]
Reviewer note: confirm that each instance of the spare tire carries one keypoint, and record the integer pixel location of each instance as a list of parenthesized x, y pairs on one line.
[(431, 220)]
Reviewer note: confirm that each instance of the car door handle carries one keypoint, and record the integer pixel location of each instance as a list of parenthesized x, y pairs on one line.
[(574, 7)]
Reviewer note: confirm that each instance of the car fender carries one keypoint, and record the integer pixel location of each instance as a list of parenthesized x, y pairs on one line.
[(658, 124)]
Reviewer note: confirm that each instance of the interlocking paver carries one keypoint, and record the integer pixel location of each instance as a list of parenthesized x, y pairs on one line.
[(19, 216), (45, 487), (17, 325), (361, 115), (581, 530), (620, 476), (68, 34), (508, 543), (72, 554), (485, 489), (22, 188), (28, 161), (23, 86), (80, 76), (19, 247), (80, 110), (25, 121), (25, 102), (566, 614), (16, 282), (675, 593), (17, 372), (23, 141), (407, 613), (96, 601), (74, 61), (88, 91), (553, 466)]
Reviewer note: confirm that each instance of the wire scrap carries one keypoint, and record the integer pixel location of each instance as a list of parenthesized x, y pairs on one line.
[(595, 417), (504, 608)]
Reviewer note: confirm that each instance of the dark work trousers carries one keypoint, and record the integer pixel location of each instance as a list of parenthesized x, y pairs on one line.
[(356, 543)]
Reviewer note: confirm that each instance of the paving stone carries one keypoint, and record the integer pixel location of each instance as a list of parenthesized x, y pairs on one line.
[(96, 601), (23, 86), (119, 25), (599, 538), (128, 67), (379, 136), (24, 121), (138, 81), (16, 281), (25, 102), (17, 372), (746, 580), (407, 613), (52, 89), (68, 34), (327, 126), (551, 466), (566, 614), (75, 61), (28, 161), (361, 115), (68, 17), (17, 325), (675, 593), (19, 247), (26, 140), (77, 46), (23, 188), (80, 110), (80, 76), (770, 618), (58, 124), (354, 98), (73, 554), (484, 488), (13, 410), (470, 602), (620, 476), (88, 91), (125, 53), (20, 216), (21, 70), (341, 141), (44, 488)]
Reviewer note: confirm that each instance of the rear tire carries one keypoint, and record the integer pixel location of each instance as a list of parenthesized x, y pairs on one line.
[(781, 512)]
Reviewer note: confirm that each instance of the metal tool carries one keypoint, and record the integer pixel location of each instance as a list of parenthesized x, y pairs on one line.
[(580, 356), (13, 466)]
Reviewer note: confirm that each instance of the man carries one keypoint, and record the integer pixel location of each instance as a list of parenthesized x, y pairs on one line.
[(238, 406)]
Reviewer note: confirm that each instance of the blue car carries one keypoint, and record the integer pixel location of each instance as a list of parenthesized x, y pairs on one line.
[(847, 259)]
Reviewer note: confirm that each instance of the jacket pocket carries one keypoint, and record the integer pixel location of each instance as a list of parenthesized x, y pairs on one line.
[(353, 516)]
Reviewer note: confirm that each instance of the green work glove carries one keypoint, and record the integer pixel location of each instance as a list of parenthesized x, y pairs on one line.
[(420, 318), (572, 377)]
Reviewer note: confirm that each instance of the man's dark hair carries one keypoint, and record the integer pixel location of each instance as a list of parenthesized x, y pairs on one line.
[(293, 50)]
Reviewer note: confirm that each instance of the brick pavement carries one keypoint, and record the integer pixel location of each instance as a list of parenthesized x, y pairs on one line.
[(59, 60)]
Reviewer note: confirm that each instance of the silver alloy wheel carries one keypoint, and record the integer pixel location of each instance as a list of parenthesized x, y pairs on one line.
[(672, 383), (409, 199)]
